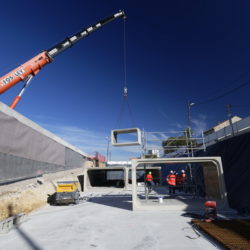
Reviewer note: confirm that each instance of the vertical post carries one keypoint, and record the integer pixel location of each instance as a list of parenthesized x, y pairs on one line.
[(144, 143), (186, 135), (145, 183), (203, 140), (190, 104), (189, 135), (144, 148), (191, 143), (108, 138), (230, 117)]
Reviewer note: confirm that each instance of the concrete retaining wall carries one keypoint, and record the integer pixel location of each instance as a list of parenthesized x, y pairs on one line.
[(28, 150)]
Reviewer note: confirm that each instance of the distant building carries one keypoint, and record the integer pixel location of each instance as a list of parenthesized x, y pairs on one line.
[(155, 152), (98, 160), (225, 129), (118, 163), (222, 125)]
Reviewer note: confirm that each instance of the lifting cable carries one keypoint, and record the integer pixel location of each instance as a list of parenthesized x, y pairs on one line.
[(125, 89)]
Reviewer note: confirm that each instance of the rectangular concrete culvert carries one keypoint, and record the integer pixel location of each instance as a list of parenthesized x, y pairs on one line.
[(126, 137), (103, 178), (214, 186)]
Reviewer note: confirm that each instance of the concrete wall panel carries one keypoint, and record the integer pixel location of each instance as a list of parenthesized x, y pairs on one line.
[(28, 150), (20, 140), (211, 180)]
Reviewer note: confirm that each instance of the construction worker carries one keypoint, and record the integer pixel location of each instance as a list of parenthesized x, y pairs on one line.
[(171, 180), (183, 176), (184, 180), (149, 181), (179, 182)]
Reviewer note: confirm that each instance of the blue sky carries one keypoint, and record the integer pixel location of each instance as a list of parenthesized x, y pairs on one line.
[(176, 51)]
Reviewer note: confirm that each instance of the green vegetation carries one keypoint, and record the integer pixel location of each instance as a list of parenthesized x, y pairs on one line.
[(173, 143)]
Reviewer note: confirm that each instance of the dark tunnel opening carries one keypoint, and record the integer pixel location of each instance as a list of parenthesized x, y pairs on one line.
[(107, 178)]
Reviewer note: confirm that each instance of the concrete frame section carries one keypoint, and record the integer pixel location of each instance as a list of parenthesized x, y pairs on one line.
[(126, 176), (116, 132), (208, 163), (156, 171), (87, 182)]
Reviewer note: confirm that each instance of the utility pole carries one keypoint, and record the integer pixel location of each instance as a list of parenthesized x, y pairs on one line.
[(229, 114)]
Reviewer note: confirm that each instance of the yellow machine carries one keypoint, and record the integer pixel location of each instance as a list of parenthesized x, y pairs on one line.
[(67, 192)]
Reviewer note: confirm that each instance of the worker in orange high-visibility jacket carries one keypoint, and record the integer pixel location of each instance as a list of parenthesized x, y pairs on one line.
[(171, 180), (149, 181)]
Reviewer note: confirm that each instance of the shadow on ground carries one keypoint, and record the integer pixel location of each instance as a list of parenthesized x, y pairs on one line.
[(118, 201), (32, 244)]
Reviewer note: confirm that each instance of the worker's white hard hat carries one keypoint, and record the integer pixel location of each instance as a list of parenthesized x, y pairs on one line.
[(183, 171), (171, 171), (149, 172)]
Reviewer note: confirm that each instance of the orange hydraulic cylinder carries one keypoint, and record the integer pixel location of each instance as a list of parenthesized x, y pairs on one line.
[(14, 103), (31, 67)]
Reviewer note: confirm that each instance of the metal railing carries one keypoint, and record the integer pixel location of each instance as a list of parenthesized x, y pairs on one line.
[(160, 188), (178, 143), (230, 130)]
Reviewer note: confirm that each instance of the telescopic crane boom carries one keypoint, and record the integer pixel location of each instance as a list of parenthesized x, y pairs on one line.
[(29, 69)]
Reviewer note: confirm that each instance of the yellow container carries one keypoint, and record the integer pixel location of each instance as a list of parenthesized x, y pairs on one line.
[(67, 186)]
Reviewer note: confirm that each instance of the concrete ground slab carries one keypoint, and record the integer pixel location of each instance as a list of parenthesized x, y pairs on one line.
[(177, 202), (105, 221)]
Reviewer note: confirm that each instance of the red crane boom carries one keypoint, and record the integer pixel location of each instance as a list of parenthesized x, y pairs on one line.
[(29, 69)]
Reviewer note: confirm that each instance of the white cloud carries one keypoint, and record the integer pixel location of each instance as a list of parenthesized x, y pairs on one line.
[(87, 140), (199, 124), (164, 114), (91, 141), (179, 126)]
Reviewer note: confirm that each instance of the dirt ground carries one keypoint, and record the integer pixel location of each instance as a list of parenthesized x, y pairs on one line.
[(26, 196)]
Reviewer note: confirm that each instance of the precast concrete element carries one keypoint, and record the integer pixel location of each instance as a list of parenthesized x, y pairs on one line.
[(103, 178), (99, 179), (140, 175), (116, 141), (214, 184)]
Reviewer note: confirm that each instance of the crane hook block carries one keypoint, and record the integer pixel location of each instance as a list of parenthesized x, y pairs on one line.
[(125, 92)]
